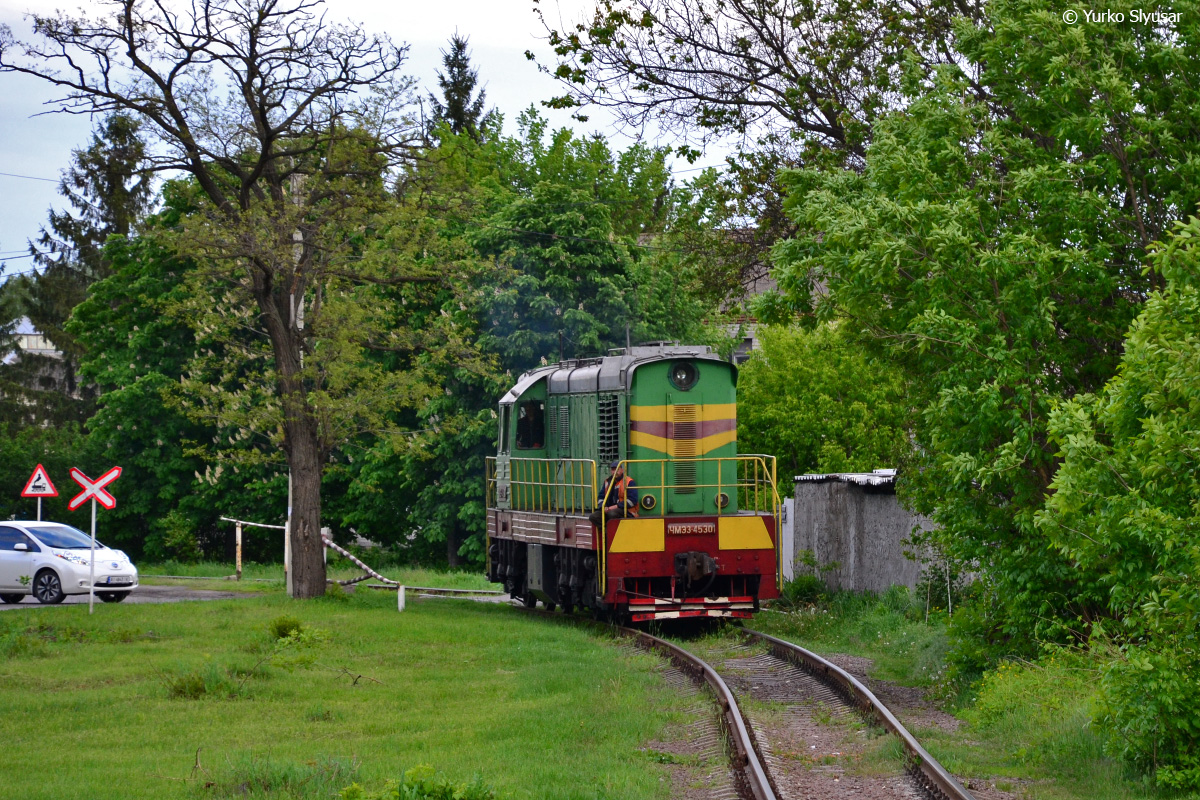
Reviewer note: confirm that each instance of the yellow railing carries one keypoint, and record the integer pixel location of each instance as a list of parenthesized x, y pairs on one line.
[(751, 478), (569, 485), (566, 485), (753, 481)]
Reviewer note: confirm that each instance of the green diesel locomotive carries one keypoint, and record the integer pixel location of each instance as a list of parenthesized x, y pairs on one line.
[(702, 538)]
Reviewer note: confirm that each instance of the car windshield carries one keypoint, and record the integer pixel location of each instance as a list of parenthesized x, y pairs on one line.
[(63, 537)]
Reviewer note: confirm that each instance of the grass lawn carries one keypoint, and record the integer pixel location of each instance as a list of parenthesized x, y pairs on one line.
[(128, 702), (1026, 728)]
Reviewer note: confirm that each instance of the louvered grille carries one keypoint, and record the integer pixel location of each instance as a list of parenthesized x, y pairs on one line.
[(564, 429), (684, 447), (610, 429)]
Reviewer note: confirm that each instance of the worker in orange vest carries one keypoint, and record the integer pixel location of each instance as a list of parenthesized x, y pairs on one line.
[(622, 498)]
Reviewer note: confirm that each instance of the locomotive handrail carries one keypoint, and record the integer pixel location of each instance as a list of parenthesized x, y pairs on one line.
[(763, 475), (760, 481), (546, 484)]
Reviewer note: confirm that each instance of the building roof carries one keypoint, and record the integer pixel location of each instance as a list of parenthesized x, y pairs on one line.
[(879, 477)]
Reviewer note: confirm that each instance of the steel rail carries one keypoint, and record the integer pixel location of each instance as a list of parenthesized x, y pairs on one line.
[(747, 757), (935, 778)]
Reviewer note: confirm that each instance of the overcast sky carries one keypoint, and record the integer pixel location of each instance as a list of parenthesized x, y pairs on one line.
[(500, 32)]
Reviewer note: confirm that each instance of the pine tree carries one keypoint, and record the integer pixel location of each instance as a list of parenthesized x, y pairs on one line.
[(457, 107), (109, 197)]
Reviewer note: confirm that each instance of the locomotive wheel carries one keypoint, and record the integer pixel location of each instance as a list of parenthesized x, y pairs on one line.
[(529, 600), (550, 606), (568, 608)]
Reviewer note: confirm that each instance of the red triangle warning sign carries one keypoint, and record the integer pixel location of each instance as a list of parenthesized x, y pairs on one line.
[(39, 484)]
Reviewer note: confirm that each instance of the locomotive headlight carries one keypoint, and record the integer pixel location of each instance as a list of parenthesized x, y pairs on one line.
[(684, 375)]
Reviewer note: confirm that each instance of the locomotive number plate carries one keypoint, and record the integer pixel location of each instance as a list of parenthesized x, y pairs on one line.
[(690, 528)]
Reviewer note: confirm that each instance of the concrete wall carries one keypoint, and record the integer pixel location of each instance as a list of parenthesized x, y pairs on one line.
[(860, 527)]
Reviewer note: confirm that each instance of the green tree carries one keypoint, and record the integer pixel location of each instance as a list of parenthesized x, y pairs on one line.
[(110, 193), (569, 278), (1126, 508), (109, 196), (820, 402), (137, 350), (287, 123), (57, 448), (544, 230), (996, 249)]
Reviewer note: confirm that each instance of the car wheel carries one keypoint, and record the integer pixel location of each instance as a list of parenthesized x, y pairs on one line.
[(112, 597), (12, 599), (47, 588)]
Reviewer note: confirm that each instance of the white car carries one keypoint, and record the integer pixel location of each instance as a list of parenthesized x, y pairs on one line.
[(50, 561)]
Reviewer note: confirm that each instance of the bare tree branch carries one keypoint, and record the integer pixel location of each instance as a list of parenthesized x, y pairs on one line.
[(818, 73)]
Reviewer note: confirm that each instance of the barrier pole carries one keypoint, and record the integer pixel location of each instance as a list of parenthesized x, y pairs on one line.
[(238, 543), (92, 565)]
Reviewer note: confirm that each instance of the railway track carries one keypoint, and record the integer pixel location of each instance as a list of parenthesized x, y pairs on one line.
[(762, 669), (815, 695)]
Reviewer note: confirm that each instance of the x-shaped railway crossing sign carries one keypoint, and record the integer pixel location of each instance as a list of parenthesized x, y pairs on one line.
[(94, 489)]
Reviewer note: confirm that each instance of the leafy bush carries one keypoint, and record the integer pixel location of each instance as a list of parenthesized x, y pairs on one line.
[(1150, 706), (284, 626), (421, 783), (803, 590), (174, 538)]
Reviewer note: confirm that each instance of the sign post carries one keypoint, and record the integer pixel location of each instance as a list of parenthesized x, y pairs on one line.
[(93, 490), (39, 486)]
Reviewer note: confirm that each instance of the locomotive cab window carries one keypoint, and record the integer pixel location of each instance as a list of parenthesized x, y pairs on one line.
[(531, 425)]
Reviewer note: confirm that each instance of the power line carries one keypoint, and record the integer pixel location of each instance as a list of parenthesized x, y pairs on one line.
[(691, 169), (6, 275), (28, 177)]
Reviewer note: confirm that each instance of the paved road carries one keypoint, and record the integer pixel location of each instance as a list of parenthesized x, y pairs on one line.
[(143, 594)]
